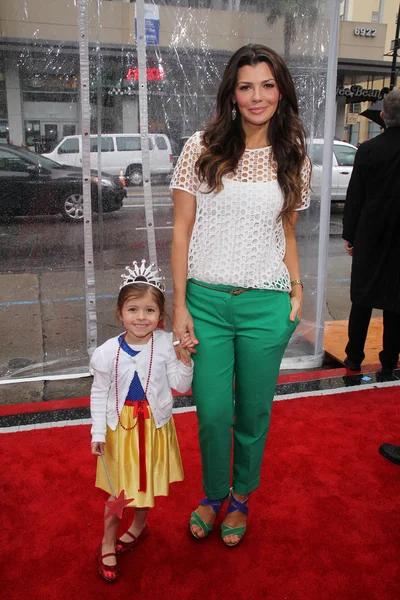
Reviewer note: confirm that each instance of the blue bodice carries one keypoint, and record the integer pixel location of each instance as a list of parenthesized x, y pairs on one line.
[(136, 391)]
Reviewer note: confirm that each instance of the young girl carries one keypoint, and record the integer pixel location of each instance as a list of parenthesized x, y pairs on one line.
[(133, 431)]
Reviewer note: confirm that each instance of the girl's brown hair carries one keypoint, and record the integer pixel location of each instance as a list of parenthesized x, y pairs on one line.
[(138, 290), (224, 138)]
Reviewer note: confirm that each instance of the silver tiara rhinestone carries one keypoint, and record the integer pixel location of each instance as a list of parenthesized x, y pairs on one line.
[(149, 275)]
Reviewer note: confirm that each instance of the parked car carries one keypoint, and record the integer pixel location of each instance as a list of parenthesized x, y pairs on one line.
[(119, 151), (178, 147), (31, 184), (342, 167)]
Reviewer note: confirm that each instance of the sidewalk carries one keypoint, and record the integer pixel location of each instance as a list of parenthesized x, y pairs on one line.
[(42, 317)]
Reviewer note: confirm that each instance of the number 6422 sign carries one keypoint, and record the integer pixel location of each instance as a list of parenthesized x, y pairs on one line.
[(364, 31)]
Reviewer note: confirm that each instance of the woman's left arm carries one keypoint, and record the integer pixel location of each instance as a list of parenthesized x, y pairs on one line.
[(291, 261)]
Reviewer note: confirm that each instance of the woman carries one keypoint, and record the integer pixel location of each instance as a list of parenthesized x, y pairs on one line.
[(237, 190)]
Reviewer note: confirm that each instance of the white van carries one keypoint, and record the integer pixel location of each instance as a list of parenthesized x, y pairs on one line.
[(119, 151)]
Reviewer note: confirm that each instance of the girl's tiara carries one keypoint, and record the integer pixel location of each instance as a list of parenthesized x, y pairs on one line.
[(147, 275)]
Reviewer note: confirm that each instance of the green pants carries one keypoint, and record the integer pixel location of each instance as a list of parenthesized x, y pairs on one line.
[(242, 338)]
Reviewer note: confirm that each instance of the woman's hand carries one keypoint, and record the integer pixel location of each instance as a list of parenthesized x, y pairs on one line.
[(184, 332), (98, 448), (296, 302), (291, 261)]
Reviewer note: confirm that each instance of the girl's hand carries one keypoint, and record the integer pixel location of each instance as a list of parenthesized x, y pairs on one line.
[(188, 345), (184, 331), (98, 448), (296, 302), (187, 341)]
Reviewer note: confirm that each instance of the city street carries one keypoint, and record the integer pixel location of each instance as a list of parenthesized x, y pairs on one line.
[(47, 243), (42, 279)]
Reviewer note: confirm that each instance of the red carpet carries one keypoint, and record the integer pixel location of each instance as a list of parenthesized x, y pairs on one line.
[(323, 525)]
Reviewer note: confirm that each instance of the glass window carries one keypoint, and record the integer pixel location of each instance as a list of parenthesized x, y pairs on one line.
[(107, 144), (373, 129), (128, 143), (161, 143), (32, 133), (344, 155), (4, 130), (69, 129), (354, 134), (69, 147), (316, 154), (132, 143), (12, 162), (49, 97)]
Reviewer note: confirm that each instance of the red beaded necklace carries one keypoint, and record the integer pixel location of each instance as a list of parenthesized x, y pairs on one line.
[(116, 379)]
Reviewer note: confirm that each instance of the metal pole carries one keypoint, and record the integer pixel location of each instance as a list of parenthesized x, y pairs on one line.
[(90, 289), (324, 220), (99, 83), (144, 130), (346, 10), (381, 11), (393, 75)]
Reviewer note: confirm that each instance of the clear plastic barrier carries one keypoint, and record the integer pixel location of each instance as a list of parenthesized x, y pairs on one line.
[(43, 308)]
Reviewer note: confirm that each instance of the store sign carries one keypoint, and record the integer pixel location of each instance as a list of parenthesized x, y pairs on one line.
[(356, 93), (151, 24), (352, 118), (152, 74)]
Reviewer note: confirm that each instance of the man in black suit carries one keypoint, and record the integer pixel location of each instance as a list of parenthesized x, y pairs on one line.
[(371, 230)]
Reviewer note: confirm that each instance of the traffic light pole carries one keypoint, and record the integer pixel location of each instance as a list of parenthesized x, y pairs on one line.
[(393, 76)]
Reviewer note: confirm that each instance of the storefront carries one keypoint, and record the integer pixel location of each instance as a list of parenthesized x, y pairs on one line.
[(363, 77), (183, 71), (50, 108), (45, 83)]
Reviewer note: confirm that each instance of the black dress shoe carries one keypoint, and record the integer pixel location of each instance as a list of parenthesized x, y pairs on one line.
[(351, 365), (387, 370), (390, 452), (385, 376)]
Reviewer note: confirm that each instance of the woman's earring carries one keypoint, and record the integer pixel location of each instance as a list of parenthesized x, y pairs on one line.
[(234, 113)]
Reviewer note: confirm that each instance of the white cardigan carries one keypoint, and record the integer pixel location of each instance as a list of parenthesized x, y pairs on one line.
[(167, 372)]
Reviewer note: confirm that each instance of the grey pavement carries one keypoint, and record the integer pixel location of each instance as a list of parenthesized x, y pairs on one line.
[(42, 305)]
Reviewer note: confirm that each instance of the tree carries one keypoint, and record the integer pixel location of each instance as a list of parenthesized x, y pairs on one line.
[(294, 13)]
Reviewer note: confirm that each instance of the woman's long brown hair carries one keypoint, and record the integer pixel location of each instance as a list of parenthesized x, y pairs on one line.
[(224, 139)]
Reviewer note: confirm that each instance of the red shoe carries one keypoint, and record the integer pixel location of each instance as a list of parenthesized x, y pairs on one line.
[(122, 547), (108, 572)]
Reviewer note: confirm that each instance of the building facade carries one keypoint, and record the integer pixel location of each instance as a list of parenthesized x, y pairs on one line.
[(367, 29), (39, 64)]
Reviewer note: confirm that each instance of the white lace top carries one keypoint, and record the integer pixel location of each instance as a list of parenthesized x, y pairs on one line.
[(237, 239)]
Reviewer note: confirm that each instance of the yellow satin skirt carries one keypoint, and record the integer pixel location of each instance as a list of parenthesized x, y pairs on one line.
[(163, 460)]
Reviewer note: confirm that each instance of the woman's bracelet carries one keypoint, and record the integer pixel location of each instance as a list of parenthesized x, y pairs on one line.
[(297, 282)]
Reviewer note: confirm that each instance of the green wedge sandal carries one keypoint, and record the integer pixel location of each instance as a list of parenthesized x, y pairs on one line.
[(234, 504), (196, 520)]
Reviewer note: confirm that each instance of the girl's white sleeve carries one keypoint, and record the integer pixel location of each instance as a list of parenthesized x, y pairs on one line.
[(179, 375), (98, 398)]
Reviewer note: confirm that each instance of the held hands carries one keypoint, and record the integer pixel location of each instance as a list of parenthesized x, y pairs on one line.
[(184, 332), (98, 448)]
